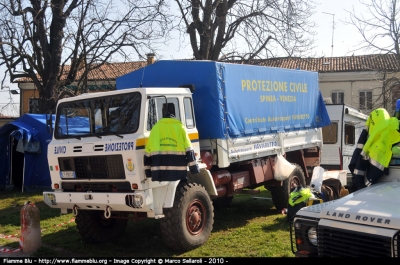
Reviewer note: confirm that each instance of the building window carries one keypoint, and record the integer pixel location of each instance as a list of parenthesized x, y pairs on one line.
[(365, 100), (33, 105), (337, 97)]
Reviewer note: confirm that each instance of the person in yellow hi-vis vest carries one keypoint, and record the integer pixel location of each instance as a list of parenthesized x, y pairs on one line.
[(375, 148), (382, 134), (169, 151)]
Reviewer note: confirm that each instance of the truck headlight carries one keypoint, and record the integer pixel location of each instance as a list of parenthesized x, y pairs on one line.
[(134, 201), (312, 235), (50, 198), (138, 201)]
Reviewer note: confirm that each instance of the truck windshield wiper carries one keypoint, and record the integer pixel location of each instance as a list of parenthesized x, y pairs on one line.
[(120, 136)]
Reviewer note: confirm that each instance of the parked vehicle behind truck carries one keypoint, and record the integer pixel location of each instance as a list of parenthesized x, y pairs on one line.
[(238, 117), (340, 137)]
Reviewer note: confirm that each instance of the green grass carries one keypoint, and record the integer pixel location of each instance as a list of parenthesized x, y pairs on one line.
[(248, 228)]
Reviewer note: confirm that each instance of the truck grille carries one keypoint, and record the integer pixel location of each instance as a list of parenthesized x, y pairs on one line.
[(96, 186), (334, 242), (94, 167)]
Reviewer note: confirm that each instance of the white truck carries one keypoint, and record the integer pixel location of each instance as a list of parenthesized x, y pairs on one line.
[(340, 137), (238, 117)]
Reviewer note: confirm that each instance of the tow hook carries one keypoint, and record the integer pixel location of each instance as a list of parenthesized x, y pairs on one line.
[(107, 212), (75, 210)]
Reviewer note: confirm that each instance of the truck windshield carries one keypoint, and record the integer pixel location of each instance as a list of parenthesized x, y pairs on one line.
[(110, 115)]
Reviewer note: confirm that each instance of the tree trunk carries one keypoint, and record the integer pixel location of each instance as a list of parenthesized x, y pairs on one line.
[(47, 101)]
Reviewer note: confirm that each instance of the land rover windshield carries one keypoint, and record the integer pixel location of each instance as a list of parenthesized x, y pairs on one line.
[(110, 115)]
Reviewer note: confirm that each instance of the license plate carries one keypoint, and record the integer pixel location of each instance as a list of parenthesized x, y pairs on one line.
[(67, 174)]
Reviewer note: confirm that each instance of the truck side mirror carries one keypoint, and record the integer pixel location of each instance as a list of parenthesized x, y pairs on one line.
[(190, 86), (49, 122)]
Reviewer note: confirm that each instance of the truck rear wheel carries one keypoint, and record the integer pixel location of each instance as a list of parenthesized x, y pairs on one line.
[(188, 224), (280, 194), (95, 228)]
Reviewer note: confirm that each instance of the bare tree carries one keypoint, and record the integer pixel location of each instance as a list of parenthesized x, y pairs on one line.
[(246, 29), (54, 43), (379, 28)]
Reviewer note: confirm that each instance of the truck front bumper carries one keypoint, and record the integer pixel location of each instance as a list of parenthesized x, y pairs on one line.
[(140, 201)]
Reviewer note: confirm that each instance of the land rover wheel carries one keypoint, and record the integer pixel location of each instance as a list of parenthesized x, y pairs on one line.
[(95, 228), (188, 224), (280, 194)]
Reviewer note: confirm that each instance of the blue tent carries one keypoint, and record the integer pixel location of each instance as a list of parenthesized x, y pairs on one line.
[(23, 154)]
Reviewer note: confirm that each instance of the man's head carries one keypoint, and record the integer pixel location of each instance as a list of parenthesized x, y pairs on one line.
[(168, 110)]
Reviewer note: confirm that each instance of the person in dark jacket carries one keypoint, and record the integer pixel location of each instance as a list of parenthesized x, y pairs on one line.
[(370, 160)]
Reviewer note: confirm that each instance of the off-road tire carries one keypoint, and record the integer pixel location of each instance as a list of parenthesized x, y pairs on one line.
[(280, 194), (191, 203), (95, 228), (222, 203)]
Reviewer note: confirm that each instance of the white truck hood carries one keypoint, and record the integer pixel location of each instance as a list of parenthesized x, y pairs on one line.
[(376, 205)]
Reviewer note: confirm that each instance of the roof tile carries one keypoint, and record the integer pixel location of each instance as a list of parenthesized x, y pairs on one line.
[(108, 71), (358, 63)]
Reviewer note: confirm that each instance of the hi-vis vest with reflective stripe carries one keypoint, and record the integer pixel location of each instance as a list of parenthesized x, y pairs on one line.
[(382, 134), (169, 152)]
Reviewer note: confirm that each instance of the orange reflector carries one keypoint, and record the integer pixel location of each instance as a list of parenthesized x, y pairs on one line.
[(56, 186), (299, 241), (134, 186)]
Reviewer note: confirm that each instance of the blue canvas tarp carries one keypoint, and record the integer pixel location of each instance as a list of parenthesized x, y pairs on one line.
[(23, 153), (240, 100)]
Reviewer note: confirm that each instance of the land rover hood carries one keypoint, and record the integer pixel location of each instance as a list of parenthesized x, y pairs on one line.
[(376, 205)]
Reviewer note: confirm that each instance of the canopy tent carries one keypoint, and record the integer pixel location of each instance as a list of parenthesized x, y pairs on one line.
[(23, 154)]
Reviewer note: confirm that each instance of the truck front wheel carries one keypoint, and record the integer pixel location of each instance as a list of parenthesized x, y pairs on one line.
[(95, 228), (188, 224), (280, 194)]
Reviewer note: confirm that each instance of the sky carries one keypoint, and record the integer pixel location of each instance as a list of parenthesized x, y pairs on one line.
[(328, 13), (345, 37)]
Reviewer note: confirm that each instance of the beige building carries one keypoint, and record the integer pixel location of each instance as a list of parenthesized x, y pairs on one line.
[(5, 120), (365, 82)]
